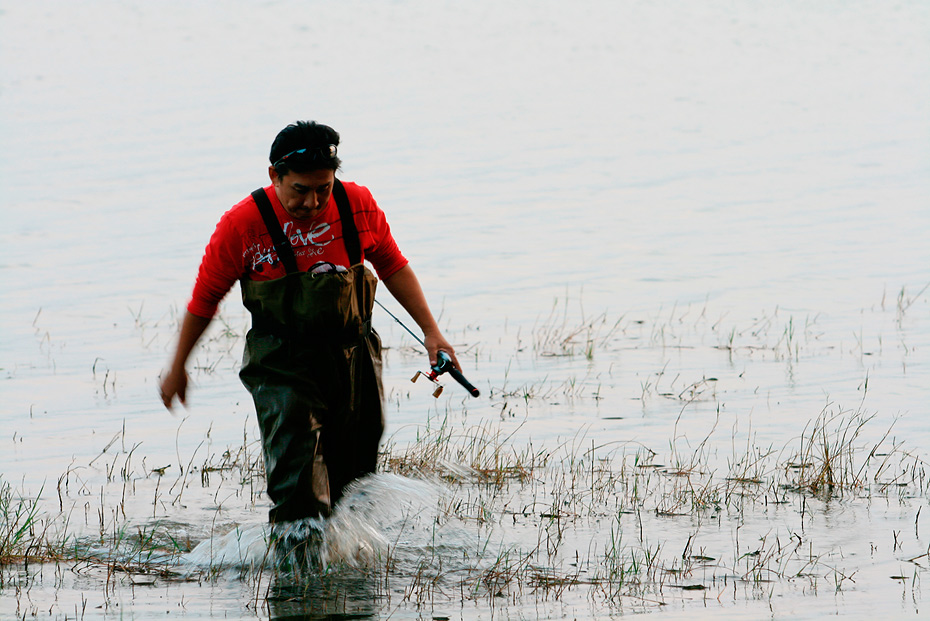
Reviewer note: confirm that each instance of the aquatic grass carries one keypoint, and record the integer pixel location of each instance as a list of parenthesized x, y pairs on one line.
[(566, 333), (21, 534), (557, 493), (142, 554), (826, 459), (833, 458), (119, 542), (577, 486), (624, 524), (555, 336), (479, 454), (557, 500), (905, 301)]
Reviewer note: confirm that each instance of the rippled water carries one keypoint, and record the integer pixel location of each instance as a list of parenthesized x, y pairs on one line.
[(726, 199)]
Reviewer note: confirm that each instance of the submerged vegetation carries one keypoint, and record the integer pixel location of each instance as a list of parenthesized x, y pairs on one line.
[(17, 526), (478, 509), (620, 524)]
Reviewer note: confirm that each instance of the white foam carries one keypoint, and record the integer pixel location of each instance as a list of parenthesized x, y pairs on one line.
[(245, 547), (376, 512)]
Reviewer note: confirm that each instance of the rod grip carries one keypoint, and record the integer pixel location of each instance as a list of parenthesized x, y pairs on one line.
[(464, 382)]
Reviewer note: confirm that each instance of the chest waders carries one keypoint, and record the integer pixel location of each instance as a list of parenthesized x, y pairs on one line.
[(312, 363)]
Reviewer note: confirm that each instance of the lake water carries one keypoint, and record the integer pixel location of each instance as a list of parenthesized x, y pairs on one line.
[(728, 205)]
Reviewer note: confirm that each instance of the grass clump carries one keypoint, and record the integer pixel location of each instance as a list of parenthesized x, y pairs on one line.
[(22, 532)]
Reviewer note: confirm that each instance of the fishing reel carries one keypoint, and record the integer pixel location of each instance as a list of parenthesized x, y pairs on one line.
[(444, 365)]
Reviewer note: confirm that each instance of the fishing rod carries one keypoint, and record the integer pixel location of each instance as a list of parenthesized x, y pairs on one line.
[(443, 363)]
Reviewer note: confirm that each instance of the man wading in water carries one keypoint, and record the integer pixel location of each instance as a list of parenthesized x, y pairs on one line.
[(312, 360)]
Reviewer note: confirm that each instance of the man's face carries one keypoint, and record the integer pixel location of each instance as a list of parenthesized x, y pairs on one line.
[(303, 195)]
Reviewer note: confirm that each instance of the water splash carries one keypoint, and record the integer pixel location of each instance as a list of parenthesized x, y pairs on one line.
[(243, 548), (377, 513)]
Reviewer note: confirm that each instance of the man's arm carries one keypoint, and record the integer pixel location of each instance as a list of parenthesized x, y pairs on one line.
[(406, 289), (174, 383)]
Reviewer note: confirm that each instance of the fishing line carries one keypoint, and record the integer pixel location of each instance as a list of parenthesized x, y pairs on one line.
[(443, 361), (419, 340)]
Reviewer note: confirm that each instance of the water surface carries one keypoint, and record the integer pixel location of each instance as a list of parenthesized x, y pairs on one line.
[(728, 192)]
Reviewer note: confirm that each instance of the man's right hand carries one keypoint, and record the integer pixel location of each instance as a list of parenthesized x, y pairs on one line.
[(172, 385)]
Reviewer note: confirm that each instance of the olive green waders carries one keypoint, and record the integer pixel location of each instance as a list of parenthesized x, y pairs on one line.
[(313, 365)]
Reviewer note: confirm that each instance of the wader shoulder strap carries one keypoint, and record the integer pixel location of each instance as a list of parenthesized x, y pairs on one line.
[(281, 245), (349, 230), (352, 242)]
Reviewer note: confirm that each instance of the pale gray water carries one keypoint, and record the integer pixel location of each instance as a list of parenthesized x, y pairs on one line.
[(700, 168)]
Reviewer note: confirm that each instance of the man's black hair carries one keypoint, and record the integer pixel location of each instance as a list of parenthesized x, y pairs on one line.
[(310, 135)]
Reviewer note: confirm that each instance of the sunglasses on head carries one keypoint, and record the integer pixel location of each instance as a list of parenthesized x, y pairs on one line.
[(327, 152)]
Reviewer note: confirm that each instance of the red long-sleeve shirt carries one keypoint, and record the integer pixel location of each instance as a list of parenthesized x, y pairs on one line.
[(241, 246)]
